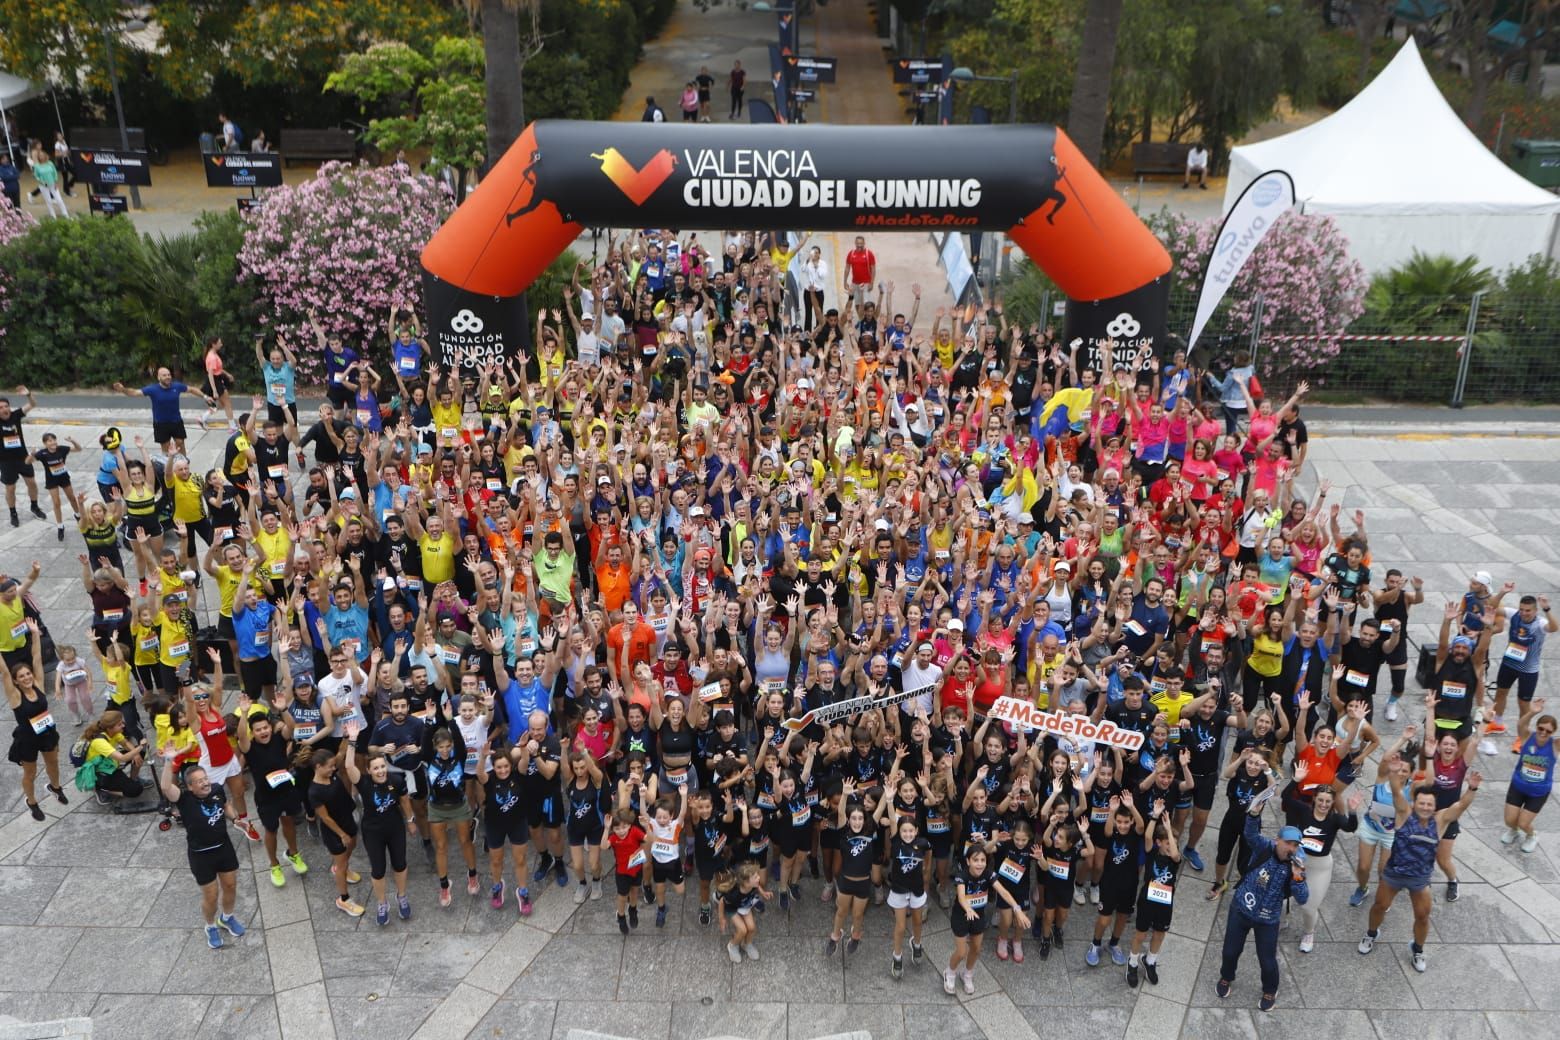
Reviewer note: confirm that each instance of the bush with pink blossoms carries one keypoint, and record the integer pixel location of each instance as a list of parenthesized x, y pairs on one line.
[(344, 245), (13, 224), (1311, 288)]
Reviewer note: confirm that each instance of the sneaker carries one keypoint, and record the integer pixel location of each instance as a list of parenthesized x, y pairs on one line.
[(348, 907), (561, 873), (543, 865), (404, 908), (1118, 956), (1419, 961), (1358, 896), (295, 860), (1531, 844), (213, 933), (1194, 859), (917, 952), (827, 895), (732, 949), (16, 521), (1151, 972), (1222, 988), (812, 864), (1451, 891), (59, 534), (1018, 951), (277, 878), (896, 968), (1002, 949), (751, 951), (785, 899), (1495, 725), (382, 915), (622, 924), (1092, 958), (353, 877), (704, 916), (852, 945), (796, 891), (660, 917), (1037, 927), (243, 824), (1308, 942), (1510, 835), (581, 893), (1132, 976), (1516, 747), (948, 983), (1392, 711), (525, 903), (1267, 1002), (830, 945), (633, 916), (1367, 943), (444, 895), (37, 511), (496, 896), (231, 923), (969, 983), (1056, 937), (1487, 747), (473, 886), (1080, 894), (36, 811), (1045, 948)]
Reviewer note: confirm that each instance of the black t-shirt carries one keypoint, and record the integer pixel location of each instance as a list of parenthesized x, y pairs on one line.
[(1159, 874), (324, 448), (547, 751), (269, 456), (12, 444), (907, 865), (705, 82), (270, 765), (1204, 737), (977, 889), (1361, 667), (978, 828), (335, 799), (53, 461), (1121, 859), (1292, 446), (501, 798), (856, 851), (381, 801), (204, 819)]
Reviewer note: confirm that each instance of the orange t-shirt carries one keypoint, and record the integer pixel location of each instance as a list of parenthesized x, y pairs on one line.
[(640, 646), (612, 582)]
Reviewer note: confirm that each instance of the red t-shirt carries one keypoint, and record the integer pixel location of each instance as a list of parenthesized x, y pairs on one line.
[(214, 734), (627, 849), (860, 262)]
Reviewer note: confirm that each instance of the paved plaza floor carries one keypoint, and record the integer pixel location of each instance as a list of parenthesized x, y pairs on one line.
[(98, 914)]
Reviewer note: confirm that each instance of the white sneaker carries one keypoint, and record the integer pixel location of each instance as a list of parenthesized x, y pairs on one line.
[(1367, 943), (734, 952), (751, 951), (969, 983), (595, 888), (1531, 844), (948, 983), (1487, 747), (1419, 962), (1308, 942), (1510, 835), (1392, 712), (581, 893)]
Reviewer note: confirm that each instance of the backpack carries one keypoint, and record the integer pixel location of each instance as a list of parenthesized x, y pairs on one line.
[(78, 753)]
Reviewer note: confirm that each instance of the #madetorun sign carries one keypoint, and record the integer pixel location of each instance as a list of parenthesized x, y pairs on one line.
[(243, 169)]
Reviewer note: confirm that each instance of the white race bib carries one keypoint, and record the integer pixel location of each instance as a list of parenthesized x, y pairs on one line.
[(1160, 893)]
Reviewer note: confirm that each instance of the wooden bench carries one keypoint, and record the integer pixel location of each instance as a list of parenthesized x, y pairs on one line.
[(1159, 157), (317, 144)]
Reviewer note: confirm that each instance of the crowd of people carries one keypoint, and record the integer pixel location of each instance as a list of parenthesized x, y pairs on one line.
[(718, 592)]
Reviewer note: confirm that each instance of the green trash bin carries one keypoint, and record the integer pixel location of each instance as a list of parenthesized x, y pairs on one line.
[(1538, 161)]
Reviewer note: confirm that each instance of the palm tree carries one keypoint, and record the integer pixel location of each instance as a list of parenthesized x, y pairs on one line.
[(506, 50), (1091, 83)]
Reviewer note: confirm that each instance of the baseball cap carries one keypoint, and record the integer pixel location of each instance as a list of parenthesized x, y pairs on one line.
[(425, 449), (955, 625), (346, 493), (1463, 641), (1484, 578), (1063, 565), (603, 479), (1289, 834), (695, 510), (804, 383)]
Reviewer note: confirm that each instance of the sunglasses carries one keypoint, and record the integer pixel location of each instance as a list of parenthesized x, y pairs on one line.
[(203, 697)]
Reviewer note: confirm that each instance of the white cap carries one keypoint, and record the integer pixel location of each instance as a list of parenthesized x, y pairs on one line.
[(955, 625), (1484, 578), (804, 383), (880, 524), (695, 510)]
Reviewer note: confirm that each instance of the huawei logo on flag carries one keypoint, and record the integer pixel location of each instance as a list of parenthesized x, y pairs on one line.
[(638, 184)]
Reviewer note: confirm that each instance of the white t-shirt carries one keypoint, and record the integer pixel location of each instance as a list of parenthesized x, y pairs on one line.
[(916, 677), (346, 696), (1197, 159)]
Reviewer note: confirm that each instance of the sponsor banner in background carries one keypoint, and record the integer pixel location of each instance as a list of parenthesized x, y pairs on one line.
[(109, 205), (99, 168), (1265, 199), (918, 70), (245, 205), (1025, 714), (803, 69), (243, 169), (855, 706), (1121, 326), (469, 330)]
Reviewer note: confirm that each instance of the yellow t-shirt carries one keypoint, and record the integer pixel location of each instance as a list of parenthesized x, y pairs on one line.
[(240, 464), (438, 558), (100, 747), (1267, 655), (118, 676), (278, 550), (187, 504), (227, 586), (182, 740), (173, 585), (446, 422), (1172, 706), (13, 625), (145, 643), (173, 647)]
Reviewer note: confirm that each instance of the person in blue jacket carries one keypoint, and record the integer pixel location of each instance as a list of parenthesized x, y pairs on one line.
[(1275, 872)]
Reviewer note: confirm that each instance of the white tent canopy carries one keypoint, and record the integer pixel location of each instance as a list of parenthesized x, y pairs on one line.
[(1398, 170)]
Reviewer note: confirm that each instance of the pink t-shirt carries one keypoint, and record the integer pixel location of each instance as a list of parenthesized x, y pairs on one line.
[(213, 363)]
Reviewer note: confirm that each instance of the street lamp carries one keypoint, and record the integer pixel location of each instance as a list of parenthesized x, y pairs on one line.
[(964, 75), (133, 25)]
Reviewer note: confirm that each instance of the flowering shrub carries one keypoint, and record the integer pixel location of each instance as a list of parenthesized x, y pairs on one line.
[(13, 224), (344, 245), (1310, 287)]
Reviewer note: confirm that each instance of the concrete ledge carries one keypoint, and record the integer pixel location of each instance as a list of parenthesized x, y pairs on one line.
[(59, 1029)]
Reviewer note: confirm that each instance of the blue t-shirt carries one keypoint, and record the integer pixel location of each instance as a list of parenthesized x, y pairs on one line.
[(280, 383), (165, 403), (252, 629), (407, 358), (336, 364), (1145, 623), (346, 625), (520, 701)]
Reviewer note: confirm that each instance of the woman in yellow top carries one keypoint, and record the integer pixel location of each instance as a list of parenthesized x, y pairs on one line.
[(1265, 660), (13, 620), (138, 488), (550, 358), (113, 762), (189, 508), (143, 636), (121, 685)]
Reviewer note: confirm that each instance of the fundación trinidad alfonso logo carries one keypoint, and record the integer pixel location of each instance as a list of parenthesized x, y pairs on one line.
[(638, 184), (1125, 326), (465, 323)]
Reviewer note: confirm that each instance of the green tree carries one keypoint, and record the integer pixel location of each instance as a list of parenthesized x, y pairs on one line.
[(1091, 82)]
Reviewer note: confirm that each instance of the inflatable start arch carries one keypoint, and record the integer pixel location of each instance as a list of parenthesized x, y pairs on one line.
[(563, 176)]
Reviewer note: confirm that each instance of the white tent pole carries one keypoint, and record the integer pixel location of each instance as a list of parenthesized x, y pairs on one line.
[(55, 97), (10, 149)]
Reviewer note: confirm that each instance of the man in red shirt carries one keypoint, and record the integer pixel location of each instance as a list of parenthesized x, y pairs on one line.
[(629, 642), (860, 271)]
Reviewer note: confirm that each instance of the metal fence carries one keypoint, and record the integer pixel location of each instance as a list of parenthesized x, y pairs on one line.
[(1486, 348)]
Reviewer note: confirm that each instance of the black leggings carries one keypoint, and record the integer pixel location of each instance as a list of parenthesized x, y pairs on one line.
[(1256, 689), (380, 844), (1232, 833), (119, 783)]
